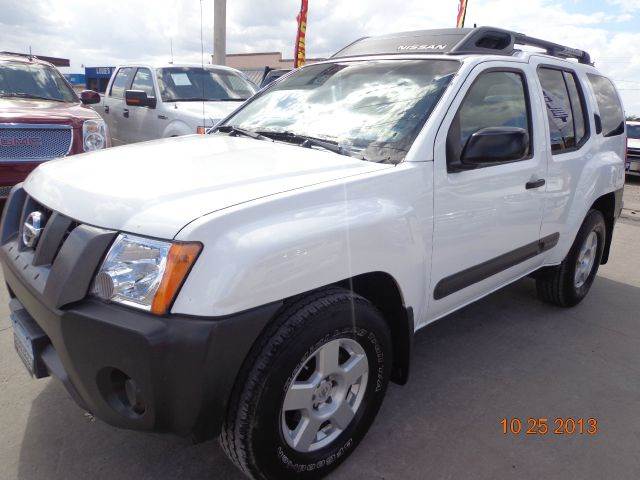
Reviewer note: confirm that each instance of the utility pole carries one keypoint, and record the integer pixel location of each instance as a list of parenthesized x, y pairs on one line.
[(219, 32)]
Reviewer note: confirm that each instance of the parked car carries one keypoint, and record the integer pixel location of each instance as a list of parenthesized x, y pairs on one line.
[(147, 102), (41, 118), (272, 74), (633, 148), (265, 281)]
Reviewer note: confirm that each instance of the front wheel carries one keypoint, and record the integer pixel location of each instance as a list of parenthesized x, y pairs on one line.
[(310, 389), (567, 284)]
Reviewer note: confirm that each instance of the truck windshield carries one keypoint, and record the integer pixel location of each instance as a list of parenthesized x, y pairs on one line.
[(371, 110), (35, 81), (633, 131), (190, 84)]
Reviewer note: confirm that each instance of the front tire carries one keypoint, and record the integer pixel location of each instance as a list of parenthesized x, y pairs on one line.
[(310, 388), (567, 284)]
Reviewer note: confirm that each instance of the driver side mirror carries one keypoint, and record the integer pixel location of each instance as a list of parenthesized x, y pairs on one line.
[(138, 98), (494, 145), (89, 97)]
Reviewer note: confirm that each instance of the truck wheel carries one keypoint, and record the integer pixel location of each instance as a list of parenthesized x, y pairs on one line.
[(568, 283), (310, 388)]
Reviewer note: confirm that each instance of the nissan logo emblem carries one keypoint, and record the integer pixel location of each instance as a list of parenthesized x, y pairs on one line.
[(32, 229)]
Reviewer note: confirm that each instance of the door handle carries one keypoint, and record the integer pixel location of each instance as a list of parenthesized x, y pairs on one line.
[(125, 113), (535, 183), (106, 109)]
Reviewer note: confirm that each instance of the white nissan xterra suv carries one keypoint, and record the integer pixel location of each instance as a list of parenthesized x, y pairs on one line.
[(264, 282)]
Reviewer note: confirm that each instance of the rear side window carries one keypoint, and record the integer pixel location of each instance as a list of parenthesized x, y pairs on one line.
[(611, 112), (121, 82), (565, 109), (496, 99)]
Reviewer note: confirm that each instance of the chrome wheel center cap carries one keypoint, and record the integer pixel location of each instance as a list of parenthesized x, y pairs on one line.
[(323, 391)]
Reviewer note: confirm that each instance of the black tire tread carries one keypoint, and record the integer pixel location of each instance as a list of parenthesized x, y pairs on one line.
[(234, 437), (553, 282)]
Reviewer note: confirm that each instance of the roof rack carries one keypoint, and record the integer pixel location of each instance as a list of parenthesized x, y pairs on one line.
[(456, 41)]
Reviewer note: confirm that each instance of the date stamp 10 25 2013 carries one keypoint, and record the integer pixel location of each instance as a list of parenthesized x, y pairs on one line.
[(549, 426)]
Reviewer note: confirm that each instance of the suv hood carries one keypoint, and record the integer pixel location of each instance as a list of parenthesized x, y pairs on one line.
[(156, 188), (212, 110), (14, 110)]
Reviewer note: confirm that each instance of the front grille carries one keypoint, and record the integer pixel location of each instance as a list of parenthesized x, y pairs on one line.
[(4, 191), (34, 142), (60, 264)]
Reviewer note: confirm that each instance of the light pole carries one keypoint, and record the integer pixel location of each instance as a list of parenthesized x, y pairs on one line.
[(219, 32)]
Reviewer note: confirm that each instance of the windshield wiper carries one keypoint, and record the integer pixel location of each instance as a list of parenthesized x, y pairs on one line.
[(305, 141), (196, 99), (235, 131), (28, 95)]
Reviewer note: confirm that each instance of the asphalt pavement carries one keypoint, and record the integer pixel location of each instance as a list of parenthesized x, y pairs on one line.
[(506, 356)]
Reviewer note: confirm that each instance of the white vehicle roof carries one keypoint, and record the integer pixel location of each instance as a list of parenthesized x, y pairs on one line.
[(156, 65), (463, 44)]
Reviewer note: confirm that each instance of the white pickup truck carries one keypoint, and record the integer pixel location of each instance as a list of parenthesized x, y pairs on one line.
[(264, 282), (150, 101)]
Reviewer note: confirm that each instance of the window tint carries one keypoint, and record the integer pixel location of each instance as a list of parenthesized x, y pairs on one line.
[(577, 106), (185, 84), (559, 113), (121, 82), (32, 80), (143, 81), (611, 112), (633, 131), (496, 99)]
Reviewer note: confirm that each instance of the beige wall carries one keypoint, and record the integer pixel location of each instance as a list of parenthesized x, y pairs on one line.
[(261, 60)]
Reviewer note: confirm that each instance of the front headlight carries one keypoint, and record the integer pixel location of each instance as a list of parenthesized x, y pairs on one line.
[(144, 273), (94, 135)]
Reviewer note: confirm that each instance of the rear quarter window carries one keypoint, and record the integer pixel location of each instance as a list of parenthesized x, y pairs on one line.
[(611, 112)]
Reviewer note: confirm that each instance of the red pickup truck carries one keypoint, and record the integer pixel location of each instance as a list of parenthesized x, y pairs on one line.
[(41, 118)]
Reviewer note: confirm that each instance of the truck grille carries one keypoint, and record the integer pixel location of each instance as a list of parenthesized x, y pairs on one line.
[(60, 262), (24, 142)]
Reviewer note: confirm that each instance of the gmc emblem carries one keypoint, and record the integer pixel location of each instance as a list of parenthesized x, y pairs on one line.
[(20, 142)]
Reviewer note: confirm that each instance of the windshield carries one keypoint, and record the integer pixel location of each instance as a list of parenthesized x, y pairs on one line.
[(371, 109), (33, 80), (184, 84), (633, 131)]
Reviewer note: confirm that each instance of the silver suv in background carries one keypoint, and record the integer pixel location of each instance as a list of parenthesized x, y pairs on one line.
[(146, 102), (632, 166)]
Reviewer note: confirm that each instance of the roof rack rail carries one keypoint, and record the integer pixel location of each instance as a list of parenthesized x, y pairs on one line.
[(456, 41)]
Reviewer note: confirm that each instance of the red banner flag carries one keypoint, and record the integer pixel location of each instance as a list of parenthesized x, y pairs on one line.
[(300, 53), (462, 12)]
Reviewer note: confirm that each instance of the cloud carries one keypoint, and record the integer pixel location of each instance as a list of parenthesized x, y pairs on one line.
[(128, 30)]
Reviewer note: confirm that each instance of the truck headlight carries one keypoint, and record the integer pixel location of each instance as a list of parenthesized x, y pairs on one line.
[(144, 273), (94, 135)]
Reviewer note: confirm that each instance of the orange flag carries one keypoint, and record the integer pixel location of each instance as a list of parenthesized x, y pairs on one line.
[(462, 12), (300, 54)]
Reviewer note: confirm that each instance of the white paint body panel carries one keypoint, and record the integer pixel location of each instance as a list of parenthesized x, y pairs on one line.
[(278, 220), (156, 188)]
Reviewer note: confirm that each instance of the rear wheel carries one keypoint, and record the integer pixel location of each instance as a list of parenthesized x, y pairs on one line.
[(568, 283), (310, 388)]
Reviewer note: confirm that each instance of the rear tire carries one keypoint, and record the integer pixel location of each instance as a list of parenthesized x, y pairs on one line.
[(332, 349), (568, 283)]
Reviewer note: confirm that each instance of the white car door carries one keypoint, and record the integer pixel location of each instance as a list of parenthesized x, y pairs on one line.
[(487, 219)]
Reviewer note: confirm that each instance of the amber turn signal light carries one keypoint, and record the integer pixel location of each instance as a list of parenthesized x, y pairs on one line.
[(180, 259)]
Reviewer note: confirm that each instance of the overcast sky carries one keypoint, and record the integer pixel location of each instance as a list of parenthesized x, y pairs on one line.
[(113, 31)]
